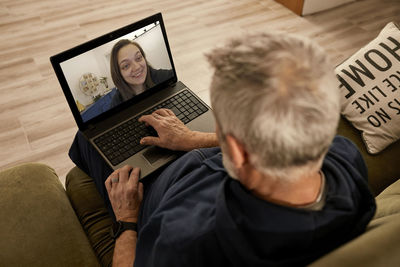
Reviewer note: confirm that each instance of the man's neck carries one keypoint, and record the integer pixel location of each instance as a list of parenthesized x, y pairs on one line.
[(302, 191)]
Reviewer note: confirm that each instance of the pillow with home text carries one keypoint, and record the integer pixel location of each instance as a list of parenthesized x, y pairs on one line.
[(369, 84)]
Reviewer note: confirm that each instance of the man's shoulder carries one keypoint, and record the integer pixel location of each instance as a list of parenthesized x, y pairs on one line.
[(343, 143), (194, 157), (194, 176), (344, 152)]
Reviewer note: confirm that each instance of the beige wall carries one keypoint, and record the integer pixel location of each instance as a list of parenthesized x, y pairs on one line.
[(306, 7), (313, 6)]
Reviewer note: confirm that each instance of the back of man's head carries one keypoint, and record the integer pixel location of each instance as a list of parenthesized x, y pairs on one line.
[(277, 95)]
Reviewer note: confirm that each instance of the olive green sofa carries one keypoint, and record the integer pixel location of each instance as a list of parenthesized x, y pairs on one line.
[(43, 224)]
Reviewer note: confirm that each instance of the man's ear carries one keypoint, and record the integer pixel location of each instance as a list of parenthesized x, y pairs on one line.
[(237, 151)]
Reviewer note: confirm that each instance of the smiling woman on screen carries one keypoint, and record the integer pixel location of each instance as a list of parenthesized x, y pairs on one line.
[(131, 72)]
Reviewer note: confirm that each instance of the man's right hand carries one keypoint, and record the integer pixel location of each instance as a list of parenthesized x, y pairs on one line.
[(173, 134)]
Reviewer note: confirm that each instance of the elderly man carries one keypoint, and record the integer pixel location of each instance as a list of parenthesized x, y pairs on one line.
[(281, 190)]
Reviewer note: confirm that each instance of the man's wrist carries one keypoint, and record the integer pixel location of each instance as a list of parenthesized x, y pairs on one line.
[(129, 218), (119, 227), (202, 140)]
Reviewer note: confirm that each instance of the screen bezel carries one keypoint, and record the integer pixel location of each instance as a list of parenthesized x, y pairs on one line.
[(56, 61)]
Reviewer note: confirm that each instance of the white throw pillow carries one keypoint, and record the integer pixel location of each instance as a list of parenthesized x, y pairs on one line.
[(369, 84)]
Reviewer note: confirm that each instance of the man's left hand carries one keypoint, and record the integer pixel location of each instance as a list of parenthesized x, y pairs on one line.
[(125, 193)]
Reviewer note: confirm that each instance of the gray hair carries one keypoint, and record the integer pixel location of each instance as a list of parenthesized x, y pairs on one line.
[(277, 94)]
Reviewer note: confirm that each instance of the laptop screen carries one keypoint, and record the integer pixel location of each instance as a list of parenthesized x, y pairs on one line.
[(110, 71)]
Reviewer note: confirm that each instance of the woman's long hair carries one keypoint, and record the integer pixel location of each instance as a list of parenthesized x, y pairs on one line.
[(123, 87)]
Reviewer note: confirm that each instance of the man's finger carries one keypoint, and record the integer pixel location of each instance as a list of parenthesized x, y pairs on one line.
[(124, 173), (150, 141), (165, 112), (162, 112), (134, 176), (140, 191), (170, 112), (108, 182), (148, 119)]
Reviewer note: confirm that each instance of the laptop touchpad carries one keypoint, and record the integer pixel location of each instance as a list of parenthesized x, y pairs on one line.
[(153, 154)]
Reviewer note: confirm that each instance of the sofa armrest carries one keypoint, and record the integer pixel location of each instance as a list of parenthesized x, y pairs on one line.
[(379, 245), (92, 213), (38, 226)]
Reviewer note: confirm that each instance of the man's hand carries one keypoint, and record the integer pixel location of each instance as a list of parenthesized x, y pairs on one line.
[(125, 193), (172, 133)]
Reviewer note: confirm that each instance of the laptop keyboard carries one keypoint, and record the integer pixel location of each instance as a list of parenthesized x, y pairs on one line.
[(122, 141)]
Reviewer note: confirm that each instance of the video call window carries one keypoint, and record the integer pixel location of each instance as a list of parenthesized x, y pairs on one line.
[(100, 80)]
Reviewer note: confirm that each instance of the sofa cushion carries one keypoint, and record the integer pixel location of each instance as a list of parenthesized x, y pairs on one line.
[(92, 213), (369, 83), (38, 226)]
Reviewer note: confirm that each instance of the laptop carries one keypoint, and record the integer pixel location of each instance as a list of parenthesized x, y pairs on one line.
[(107, 98)]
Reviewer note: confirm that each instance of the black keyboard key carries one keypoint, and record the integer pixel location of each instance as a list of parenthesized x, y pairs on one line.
[(137, 148), (176, 111), (127, 154), (192, 116), (194, 100), (202, 108), (121, 158)]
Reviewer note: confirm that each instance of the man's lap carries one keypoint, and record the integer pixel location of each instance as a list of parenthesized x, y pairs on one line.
[(86, 157)]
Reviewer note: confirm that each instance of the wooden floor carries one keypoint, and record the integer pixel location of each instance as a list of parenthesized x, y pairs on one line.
[(35, 121)]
